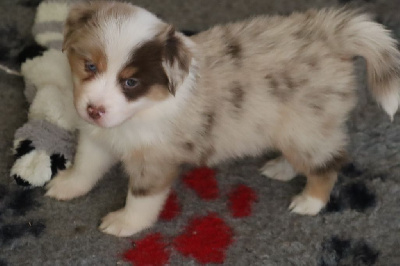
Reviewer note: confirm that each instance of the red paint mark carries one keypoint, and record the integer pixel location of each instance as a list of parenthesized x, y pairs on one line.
[(203, 182), (150, 250), (206, 239), (241, 200), (171, 208)]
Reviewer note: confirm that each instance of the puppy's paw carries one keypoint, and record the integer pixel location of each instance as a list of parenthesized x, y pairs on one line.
[(278, 169), (66, 187), (306, 204), (123, 223)]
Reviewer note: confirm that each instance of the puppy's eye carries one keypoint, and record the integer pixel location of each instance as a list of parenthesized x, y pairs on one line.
[(90, 67), (130, 83)]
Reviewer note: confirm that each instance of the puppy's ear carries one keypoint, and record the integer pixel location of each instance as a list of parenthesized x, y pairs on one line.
[(78, 17), (177, 58)]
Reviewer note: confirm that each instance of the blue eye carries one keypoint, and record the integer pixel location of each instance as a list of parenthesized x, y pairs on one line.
[(90, 67), (130, 83)]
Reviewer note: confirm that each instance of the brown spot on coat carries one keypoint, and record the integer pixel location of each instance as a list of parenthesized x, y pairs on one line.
[(317, 107), (206, 154), (312, 61), (237, 95), (140, 191), (209, 123), (282, 88), (234, 49), (189, 146)]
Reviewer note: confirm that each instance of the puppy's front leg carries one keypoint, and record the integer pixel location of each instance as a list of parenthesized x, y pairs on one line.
[(149, 187), (91, 162)]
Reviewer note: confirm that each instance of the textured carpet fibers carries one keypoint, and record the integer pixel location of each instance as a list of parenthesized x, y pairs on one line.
[(229, 215)]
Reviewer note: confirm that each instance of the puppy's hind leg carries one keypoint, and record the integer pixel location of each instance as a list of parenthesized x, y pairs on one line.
[(315, 195), (320, 182), (278, 169)]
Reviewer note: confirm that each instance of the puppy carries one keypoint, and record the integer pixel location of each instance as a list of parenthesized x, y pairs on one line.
[(154, 99)]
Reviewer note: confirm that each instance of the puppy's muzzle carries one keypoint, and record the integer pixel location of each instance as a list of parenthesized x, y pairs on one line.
[(95, 112)]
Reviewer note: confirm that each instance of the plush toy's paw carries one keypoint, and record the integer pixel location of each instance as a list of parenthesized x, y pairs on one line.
[(66, 186), (35, 167), (306, 204), (123, 223)]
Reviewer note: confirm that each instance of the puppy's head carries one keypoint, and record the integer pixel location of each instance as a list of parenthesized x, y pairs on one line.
[(123, 59)]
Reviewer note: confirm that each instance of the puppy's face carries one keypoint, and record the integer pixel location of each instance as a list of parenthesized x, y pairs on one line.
[(123, 59)]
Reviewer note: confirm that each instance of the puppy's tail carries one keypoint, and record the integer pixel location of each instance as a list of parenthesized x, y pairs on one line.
[(358, 35)]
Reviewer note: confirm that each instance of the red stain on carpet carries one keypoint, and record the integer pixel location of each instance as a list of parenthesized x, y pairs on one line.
[(206, 239), (203, 182), (241, 200), (171, 208), (150, 250)]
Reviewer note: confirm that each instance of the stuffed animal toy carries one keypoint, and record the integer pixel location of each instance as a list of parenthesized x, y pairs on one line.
[(46, 143)]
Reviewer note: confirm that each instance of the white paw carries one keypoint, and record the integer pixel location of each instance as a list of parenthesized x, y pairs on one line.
[(306, 205), (123, 223), (278, 169), (66, 186)]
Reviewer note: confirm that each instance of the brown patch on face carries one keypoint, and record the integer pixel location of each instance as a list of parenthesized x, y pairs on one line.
[(83, 54), (128, 72), (334, 164), (237, 95), (145, 65)]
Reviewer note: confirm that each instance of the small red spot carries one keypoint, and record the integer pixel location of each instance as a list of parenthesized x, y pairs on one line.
[(203, 182), (150, 250), (206, 239), (241, 200), (171, 208)]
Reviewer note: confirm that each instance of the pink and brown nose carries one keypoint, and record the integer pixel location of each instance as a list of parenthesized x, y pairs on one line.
[(95, 112)]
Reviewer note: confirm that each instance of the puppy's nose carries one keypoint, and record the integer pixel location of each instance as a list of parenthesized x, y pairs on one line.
[(95, 112)]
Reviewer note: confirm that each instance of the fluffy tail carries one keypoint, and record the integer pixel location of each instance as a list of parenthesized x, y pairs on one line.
[(356, 34)]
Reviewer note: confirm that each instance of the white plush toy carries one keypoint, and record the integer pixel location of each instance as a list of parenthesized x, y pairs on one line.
[(46, 143)]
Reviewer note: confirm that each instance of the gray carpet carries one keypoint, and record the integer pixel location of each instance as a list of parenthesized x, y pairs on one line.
[(360, 226)]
